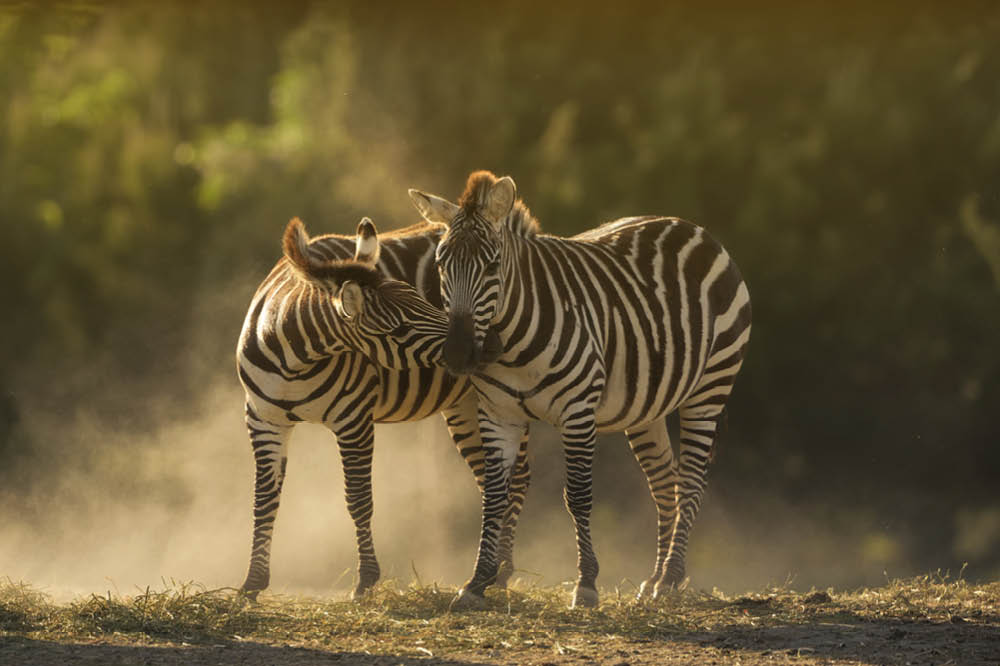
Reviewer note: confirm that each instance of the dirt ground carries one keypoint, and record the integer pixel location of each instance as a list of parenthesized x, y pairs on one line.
[(891, 642), (927, 620)]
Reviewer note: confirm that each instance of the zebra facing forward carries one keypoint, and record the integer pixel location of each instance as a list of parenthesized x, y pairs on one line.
[(327, 339), (609, 330)]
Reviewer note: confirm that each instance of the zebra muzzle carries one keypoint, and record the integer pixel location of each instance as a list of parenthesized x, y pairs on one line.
[(460, 354)]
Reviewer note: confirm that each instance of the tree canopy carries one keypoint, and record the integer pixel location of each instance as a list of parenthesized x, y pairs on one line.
[(849, 160)]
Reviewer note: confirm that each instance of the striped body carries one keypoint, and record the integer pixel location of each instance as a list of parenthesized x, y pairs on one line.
[(298, 361), (644, 306), (288, 358), (609, 330)]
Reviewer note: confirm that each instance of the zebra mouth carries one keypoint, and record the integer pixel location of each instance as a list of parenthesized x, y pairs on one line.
[(462, 356), (492, 348)]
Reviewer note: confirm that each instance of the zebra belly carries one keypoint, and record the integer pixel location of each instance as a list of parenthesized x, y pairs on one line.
[(661, 385), (624, 406), (508, 406), (410, 395), (350, 383), (628, 399), (306, 396), (521, 395)]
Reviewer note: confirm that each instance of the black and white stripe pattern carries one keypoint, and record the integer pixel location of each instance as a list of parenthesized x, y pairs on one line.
[(609, 330), (328, 340)]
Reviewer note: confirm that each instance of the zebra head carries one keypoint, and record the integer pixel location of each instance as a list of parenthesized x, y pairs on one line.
[(470, 259), (386, 320)]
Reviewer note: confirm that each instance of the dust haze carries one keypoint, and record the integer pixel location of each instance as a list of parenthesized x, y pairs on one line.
[(108, 510), (99, 499)]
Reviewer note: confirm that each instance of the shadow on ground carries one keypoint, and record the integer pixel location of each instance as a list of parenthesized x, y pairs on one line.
[(842, 636), (49, 653)]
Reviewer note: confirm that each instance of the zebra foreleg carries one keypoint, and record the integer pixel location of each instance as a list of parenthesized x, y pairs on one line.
[(500, 447), (652, 449), (463, 425), (356, 449), (579, 436), (519, 481), (270, 452)]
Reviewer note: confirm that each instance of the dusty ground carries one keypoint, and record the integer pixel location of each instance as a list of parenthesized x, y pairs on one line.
[(920, 621)]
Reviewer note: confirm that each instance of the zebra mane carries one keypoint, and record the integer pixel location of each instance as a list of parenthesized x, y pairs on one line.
[(304, 260), (345, 270), (477, 187), (422, 228)]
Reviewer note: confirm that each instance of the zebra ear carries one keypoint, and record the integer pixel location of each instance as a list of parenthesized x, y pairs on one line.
[(433, 208), (500, 200), (295, 243), (349, 300), (366, 249)]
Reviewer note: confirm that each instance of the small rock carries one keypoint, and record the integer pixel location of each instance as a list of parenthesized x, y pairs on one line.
[(818, 598), (750, 602)]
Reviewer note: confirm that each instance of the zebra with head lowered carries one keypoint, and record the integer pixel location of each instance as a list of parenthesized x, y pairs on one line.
[(330, 339), (609, 330)]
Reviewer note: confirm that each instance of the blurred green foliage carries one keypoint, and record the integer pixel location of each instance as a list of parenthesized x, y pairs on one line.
[(848, 157)]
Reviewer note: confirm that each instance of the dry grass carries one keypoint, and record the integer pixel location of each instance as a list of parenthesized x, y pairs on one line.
[(414, 620)]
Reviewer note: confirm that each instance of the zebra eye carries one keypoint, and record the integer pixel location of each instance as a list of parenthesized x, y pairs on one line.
[(400, 330)]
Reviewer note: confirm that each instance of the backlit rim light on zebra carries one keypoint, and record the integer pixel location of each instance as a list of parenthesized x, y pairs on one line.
[(612, 329)]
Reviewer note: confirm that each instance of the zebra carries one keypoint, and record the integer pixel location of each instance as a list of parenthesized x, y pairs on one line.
[(609, 330), (327, 339)]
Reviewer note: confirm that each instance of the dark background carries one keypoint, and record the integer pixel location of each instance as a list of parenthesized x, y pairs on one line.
[(848, 156)]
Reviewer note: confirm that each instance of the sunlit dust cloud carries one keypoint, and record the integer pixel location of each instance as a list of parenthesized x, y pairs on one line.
[(117, 512)]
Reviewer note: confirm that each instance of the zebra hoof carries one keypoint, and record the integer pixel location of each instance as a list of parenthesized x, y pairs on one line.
[(467, 601), (584, 597), (675, 579), (361, 591), (249, 595), (504, 573), (646, 589), (665, 587)]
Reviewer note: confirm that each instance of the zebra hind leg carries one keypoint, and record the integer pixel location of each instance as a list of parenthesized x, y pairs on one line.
[(356, 450), (698, 425), (270, 451), (519, 482), (651, 448), (700, 416)]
